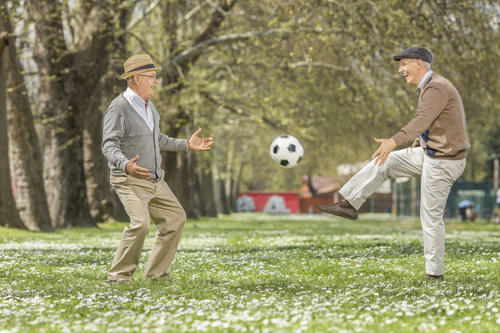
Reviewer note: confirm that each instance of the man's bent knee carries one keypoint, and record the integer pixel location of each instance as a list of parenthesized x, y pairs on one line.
[(139, 228), (172, 222)]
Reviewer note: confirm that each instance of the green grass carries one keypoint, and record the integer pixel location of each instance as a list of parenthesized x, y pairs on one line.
[(256, 273)]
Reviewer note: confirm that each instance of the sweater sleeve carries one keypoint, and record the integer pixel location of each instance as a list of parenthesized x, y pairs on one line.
[(112, 134), (432, 104), (171, 144)]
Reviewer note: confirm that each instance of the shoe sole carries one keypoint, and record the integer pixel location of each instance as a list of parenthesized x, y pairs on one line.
[(349, 217)]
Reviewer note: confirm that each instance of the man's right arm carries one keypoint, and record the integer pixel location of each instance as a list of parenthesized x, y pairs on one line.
[(112, 133)]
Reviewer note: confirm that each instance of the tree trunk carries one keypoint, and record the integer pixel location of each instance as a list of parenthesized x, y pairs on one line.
[(178, 177), (62, 143), (8, 213), (208, 204), (24, 149), (103, 201), (223, 198), (187, 182), (235, 184), (68, 79), (219, 190), (175, 165), (202, 187), (195, 185), (61, 119)]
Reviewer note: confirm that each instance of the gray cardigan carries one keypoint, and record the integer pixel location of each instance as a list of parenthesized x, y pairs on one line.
[(125, 134)]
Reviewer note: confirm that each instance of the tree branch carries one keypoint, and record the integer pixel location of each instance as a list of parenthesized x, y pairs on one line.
[(192, 12), (184, 56), (235, 110), (315, 64), (148, 10), (215, 22)]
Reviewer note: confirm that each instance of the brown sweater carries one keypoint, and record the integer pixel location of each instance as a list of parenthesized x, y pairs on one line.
[(439, 126)]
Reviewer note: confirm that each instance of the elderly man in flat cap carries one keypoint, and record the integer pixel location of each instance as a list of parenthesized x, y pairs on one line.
[(437, 154), (132, 143)]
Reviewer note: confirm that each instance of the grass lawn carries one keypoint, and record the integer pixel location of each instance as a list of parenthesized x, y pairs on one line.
[(256, 273)]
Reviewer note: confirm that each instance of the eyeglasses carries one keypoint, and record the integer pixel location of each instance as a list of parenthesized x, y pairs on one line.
[(150, 76), (401, 64)]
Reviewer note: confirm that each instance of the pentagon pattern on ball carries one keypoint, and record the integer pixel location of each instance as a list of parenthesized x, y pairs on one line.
[(286, 151)]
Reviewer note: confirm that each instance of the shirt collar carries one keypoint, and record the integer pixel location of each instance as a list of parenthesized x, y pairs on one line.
[(132, 95), (424, 78)]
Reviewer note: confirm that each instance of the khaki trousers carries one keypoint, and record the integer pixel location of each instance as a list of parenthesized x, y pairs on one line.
[(144, 200), (438, 176)]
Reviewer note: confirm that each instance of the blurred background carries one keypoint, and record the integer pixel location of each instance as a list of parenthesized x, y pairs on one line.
[(245, 72)]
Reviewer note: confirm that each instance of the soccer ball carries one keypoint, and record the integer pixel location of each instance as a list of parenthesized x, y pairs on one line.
[(287, 151)]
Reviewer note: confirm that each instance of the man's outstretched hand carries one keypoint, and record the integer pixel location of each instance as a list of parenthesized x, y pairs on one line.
[(197, 143), (383, 151), (136, 171)]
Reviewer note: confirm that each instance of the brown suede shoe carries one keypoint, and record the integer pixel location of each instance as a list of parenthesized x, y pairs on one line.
[(433, 277), (342, 208)]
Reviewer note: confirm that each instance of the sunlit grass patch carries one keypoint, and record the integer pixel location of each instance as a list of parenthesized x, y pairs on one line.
[(256, 273)]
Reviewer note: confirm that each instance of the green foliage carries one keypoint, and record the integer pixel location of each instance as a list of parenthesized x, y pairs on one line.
[(253, 272), (319, 70), (324, 73)]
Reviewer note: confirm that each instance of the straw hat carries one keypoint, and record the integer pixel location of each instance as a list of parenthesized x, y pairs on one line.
[(137, 64)]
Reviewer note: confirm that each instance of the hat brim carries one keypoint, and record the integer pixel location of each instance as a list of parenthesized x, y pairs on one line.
[(129, 74)]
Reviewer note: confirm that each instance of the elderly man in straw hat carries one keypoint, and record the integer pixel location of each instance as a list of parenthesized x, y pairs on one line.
[(132, 143)]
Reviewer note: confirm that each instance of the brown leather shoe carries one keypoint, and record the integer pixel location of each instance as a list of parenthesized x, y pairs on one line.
[(342, 208), (433, 277)]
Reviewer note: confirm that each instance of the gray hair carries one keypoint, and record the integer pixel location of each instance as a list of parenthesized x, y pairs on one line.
[(428, 65)]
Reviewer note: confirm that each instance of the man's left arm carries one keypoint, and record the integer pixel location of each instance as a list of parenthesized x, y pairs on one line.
[(195, 142), (172, 144)]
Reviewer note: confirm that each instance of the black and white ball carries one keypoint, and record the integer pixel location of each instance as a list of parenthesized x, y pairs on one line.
[(287, 151)]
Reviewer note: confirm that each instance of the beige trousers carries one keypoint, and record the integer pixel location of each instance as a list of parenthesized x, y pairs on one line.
[(438, 176), (144, 200)]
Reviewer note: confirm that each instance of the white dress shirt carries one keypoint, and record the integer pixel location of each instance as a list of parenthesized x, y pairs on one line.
[(422, 80), (143, 108)]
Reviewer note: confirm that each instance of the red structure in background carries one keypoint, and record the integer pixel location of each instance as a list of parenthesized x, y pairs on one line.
[(260, 199), (318, 190)]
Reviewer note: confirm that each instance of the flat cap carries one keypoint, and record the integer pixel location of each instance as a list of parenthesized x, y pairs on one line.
[(416, 52)]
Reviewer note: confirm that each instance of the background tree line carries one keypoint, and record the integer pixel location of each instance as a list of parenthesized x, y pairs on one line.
[(244, 71)]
